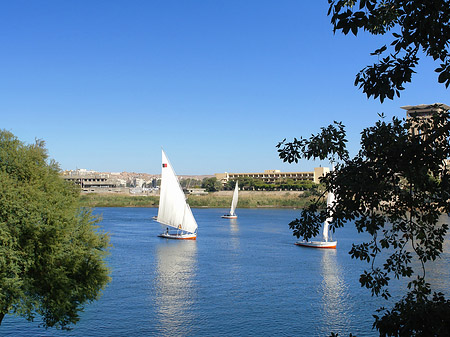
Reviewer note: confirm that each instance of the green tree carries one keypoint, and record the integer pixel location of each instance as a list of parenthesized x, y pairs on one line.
[(190, 183), (246, 183), (394, 189), (229, 185), (51, 251), (419, 27), (211, 184)]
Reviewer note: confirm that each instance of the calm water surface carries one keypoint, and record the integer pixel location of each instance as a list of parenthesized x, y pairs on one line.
[(241, 277)]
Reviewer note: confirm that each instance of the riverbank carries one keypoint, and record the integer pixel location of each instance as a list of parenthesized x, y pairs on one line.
[(221, 199)]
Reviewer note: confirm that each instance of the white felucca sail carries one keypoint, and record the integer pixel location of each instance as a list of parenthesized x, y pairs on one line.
[(173, 209), (326, 241), (234, 202), (330, 201)]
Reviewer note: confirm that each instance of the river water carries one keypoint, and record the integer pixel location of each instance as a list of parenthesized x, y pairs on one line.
[(241, 277)]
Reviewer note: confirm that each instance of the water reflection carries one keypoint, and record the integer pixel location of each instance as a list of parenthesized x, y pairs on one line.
[(174, 286), (334, 293), (437, 272), (234, 237), (234, 226)]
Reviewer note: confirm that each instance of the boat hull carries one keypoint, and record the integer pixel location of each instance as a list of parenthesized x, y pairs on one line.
[(179, 236), (317, 244), (228, 216)]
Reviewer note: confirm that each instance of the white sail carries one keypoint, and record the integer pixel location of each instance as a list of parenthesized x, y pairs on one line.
[(235, 200), (326, 242), (173, 209), (330, 201)]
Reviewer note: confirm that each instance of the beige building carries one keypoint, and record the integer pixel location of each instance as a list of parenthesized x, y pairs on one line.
[(90, 179), (423, 111), (271, 176)]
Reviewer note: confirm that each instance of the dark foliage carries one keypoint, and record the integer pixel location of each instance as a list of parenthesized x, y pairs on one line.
[(394, 189), (417, 26)]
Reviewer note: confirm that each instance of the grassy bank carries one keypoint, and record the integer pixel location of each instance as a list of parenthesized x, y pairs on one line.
[(251, 200), (118, 200), (217, 200)]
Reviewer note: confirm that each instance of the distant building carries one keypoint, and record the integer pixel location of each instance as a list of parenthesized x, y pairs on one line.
[(422, 111), (90, 179), (272, 176), (121, 182), (138, 182), (196, 191), (154, 183), (425, 111)]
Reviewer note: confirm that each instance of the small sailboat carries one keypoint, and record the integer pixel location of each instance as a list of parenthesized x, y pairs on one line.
[(326, 240), (173, 209), (232, 214)]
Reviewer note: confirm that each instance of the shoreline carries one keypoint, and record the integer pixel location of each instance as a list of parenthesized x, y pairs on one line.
[(221, 199)]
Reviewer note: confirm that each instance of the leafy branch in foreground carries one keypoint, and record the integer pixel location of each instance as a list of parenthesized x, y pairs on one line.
[(417, 26), (394, 189)]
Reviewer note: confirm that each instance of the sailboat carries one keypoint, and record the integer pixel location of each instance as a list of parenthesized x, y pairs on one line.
[(232, 214), (173, 209), (326, 241)]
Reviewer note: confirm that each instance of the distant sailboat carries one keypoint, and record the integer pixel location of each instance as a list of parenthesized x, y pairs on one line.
[(326, 241), (234, 202), (173, 209)]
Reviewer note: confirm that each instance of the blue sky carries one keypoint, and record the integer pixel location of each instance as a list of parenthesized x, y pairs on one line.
[(217, 84)]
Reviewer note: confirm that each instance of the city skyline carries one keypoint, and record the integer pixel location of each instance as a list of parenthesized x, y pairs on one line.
[(217, 84)]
